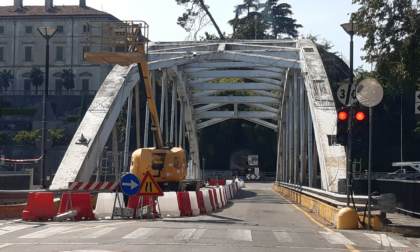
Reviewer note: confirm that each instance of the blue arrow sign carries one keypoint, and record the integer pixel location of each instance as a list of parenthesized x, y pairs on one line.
[(130, 184)]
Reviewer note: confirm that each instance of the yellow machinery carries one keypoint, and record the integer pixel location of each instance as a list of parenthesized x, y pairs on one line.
[(125, 43)]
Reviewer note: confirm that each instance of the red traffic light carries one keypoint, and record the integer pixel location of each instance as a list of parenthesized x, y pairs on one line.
[(360, 116), (342, 115)]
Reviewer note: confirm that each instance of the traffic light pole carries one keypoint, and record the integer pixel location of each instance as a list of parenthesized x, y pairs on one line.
[(348, 168)]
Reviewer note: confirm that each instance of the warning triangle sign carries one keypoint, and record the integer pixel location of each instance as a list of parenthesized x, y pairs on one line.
[(149, 187)]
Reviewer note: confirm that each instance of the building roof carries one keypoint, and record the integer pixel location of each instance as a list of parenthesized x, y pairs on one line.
[(7, 11)]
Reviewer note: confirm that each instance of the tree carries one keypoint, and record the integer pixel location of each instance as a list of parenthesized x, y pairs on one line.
[(6, 77), (196, 11), (37, 78), (279, 18), (392, 40), (68, 79), (245, 26)]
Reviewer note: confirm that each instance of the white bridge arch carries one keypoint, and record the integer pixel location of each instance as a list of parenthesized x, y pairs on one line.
[(291, 91)]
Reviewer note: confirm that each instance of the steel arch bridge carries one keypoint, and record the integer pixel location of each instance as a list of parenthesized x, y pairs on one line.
[(290, 95)]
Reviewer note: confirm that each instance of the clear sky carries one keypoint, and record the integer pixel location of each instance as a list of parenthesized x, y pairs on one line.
[(321, 17)]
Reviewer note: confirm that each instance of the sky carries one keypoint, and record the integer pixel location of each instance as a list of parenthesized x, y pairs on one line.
[(321, 17)]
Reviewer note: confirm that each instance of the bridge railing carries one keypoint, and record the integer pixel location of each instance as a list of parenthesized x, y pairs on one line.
[(50, 92)]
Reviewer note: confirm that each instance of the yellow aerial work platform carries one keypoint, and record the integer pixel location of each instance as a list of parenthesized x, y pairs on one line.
[(116, 42)]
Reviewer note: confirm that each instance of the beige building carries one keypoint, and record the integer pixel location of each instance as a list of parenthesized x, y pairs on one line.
[(22, 47)]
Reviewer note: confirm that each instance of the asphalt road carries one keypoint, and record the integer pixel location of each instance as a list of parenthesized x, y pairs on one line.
[(256, 220)]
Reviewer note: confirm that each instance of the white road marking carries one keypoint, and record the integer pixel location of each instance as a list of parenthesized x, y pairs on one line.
[(141, 232), (46, 232), (240, 234), (282, 236), (9, 229), (188, 234), (336, 238), (98, 233), (385, 240)]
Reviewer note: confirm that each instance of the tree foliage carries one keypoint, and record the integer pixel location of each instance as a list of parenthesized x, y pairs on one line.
[(37, 77), (6, 77), (269, 19), (68, 79), (196, 17)]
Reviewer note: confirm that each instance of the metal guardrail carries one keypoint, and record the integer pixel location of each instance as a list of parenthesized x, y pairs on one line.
[(331, 198)]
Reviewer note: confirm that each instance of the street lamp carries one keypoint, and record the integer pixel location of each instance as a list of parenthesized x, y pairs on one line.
[(350, 28), (47, 33)]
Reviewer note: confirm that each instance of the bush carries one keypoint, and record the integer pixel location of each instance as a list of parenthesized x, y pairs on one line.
[(26, 138), (18, 111), (58, 137), (73, 118)]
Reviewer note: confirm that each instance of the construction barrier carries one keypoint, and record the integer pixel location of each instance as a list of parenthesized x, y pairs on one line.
[(200, 201), (212, 182), (169, 205), (217, 199), (222, 197), (228, 182), (40, 207), (194, 203), (232, 190), (212, 200), (225, 194), (81, 202), (135, 203), (105, 204), (222, 182), (228, 189), (184, 203), (206, 200)]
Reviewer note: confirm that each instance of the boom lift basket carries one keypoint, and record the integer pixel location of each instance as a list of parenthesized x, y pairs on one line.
[(116, 42)]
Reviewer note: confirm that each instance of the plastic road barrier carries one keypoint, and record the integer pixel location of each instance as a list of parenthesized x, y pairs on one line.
[(222, 197), (212, 201), (169, 205), (206, 199), (81, 203), (222, 182), (225, 194), (217, 200), (200, 201), (228, 182), (105, 204), (184, 203), (40, 207), (212, 182), (194, 203)]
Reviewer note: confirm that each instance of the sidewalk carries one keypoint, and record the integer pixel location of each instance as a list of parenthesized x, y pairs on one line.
[(402, 224)]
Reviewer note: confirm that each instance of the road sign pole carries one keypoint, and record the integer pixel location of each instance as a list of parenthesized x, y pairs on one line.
[(370, 166)]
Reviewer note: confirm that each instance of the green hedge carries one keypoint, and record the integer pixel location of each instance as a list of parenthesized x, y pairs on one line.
[(18, 111), (73, 118)]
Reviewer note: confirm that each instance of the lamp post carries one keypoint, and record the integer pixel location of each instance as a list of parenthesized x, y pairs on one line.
[(350, 29), (47, 33)]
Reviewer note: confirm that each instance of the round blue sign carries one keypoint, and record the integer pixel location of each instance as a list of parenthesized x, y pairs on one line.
[(130, 184), (241, 179)]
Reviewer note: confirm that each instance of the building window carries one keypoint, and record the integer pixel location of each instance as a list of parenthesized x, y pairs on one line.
[(28, 53), (28, 29), (86, 28), (1, 53), (59, 53), (1, 29), (85, 49), (85, 85), (27, 86), (60, 29), (58, 86)]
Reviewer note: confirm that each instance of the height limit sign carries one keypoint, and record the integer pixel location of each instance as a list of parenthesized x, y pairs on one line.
[(417, 104)]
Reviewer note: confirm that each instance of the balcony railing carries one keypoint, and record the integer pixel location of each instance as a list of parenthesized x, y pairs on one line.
[(50, 92)]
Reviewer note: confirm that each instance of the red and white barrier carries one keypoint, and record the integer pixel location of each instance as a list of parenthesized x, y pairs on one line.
[(89, 186)]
